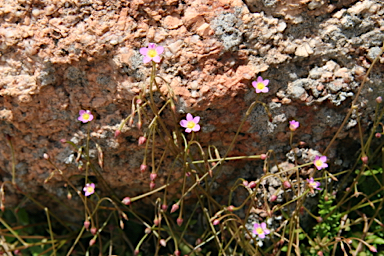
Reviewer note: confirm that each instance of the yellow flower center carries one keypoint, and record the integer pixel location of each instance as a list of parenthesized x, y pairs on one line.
[(260, 86), (90, 189), (190, 124), (152, 53), (259, 231), (319, 162), (313, 184), (85, 116)]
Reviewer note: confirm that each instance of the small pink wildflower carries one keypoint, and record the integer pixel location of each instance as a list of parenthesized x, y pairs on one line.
[(261, 85), (293, 125), (312, 184), (320, 162), (152, 53), (191, 124), (89, 189), (260, 230), (85, 116)]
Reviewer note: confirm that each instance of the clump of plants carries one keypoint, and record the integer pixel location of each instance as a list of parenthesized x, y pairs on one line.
[(347, 218)]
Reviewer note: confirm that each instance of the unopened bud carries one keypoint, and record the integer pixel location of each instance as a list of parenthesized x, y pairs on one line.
[(179, 221), (93, 231), (177, 253), (152, 185), (320, 253), (175, 207), (164, 207), (364, 159), (126, 200), (117, 133), (379, 99), (46, 156), (287, 184), (378, 135), (139, 101), (252, 184), (2, 207), (136, 252), (173, 107), (121, 224), (263, 156), (147, 231), (143, 167), (17, 252), (153, 176), (142, 140), (92, 241), (63, 141), (245, 183), (157, 221), (372, 248), (319, 219), (163, 242), (273, 198), (139, 125), (86, 224), (231, 208), (216, 222)]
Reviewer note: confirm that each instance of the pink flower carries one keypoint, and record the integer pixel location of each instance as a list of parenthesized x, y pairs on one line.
[(320, 162), (89, 189), (191, 123), (261, 85), (85, 116), (260, 230), (312, 184), (152, 53), (293, 125)]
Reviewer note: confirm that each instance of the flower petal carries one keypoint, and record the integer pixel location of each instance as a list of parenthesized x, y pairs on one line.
[(196, 119), (266, 82), (189, 117), (184, 123), (196, 128), (144, 51), (188, 130), (159, 49), (156, 59), (147, 59)]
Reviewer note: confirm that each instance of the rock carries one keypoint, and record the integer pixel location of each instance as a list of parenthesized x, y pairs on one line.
[(57, 59)]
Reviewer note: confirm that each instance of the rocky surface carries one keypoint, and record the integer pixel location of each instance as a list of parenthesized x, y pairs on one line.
[(57, 57)]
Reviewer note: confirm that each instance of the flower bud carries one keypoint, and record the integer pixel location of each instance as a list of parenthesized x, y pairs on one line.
[(245, 183), (372, 248), (163, 242), (147, 231), (143, 167), (126, 200), (139, 125), (379, 99), (179, 221), (231, 208), (152, 185), (164, 207), (63, 141), (252, 184), (142, 140), (177, 253), (117, 133), (319, 219), (93, 231), (378, 135), (136, 252), (216, 222), (86, 224), (263, 156), (273, 198), (46, 156), (153, 176), (287, 184), (92, 241), (157, 221), (69, 195), (175, 207), (364, 159), (139, 101), (320, 253)]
